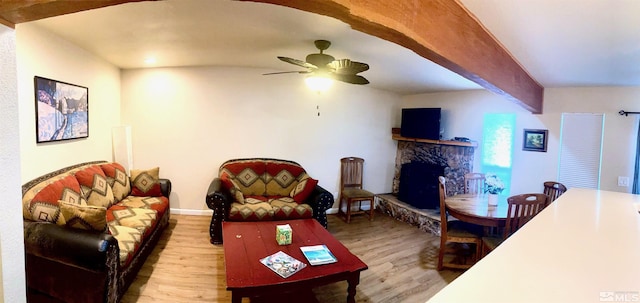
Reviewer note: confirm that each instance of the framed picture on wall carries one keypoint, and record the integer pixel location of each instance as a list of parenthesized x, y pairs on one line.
[(62, 110), (535, 140)]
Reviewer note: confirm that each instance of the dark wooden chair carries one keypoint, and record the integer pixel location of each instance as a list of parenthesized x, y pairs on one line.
[(351, 191), (554, 190), (456, 232), (522, 208), (474, 183)]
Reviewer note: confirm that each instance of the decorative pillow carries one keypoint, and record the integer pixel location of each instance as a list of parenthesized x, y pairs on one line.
[(302, 191), (118, 179), (145, 183), (44, 205), (234, 189), (95, 187), (83, 217)]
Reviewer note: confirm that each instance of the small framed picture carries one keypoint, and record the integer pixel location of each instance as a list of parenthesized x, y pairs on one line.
[(62, 110), (535, 140)]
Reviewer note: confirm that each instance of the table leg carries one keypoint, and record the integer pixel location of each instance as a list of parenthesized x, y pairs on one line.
[(235, 298), (353, 281)]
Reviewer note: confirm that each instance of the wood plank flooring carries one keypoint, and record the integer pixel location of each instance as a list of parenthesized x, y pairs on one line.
[(185, 267)]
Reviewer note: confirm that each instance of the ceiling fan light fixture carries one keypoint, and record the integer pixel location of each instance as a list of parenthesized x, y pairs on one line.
[(318, 83)]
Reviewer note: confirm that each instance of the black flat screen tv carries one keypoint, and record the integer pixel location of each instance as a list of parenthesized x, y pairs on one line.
[(421, 123)]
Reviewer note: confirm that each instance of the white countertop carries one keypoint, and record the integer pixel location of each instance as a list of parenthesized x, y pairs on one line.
[(584, 247)]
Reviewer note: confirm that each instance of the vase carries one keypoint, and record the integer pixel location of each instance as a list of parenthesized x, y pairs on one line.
[(493, 199)]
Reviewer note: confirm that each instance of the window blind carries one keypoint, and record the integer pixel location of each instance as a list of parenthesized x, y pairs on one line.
[(581, 149)]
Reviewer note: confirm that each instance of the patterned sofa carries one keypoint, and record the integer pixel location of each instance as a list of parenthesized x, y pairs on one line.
[(88, 229), (262, 189)]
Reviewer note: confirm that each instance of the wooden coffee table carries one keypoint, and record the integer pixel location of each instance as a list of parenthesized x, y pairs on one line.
[(245, 243)]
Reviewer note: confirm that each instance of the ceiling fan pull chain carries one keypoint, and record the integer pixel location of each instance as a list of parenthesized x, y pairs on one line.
[(318, 108)]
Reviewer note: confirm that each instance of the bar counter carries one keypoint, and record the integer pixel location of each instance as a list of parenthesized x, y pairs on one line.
[(584, 247)]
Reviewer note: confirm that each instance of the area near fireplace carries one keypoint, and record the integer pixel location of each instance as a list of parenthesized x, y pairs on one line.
[(423, 161)]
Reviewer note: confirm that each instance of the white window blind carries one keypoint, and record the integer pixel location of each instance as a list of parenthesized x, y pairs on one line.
[(581, 150)]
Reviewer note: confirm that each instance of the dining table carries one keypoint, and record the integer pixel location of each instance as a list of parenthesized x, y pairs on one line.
[(475, 208)]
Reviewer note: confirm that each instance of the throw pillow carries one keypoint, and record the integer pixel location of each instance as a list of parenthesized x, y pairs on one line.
[(95, 187), (83, 217), (44, 206), (118, 179), (302, 191), (234, 189), (145, 183)]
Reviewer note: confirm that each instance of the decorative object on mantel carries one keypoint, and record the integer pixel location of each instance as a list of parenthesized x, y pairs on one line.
[(62, 110), (535, 140), (395, 135), (622, 112), (494, 187)]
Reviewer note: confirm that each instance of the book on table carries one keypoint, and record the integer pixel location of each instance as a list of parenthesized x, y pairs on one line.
[(283, 264), (318, 254)]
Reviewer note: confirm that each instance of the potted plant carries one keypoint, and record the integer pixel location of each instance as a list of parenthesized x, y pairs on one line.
[(493, 187)]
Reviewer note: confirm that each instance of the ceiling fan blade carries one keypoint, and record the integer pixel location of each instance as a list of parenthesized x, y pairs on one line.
[(348, 67), (353, 79), (289, 72), (297, 62)]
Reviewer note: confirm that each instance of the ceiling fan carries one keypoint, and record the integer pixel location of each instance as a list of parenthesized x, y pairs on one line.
[(324, 65)]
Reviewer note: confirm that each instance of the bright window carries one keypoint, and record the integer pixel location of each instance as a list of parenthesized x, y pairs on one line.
[(497, 147), (581, 150)]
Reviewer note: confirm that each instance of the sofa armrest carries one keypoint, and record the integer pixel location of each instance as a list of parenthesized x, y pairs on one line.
[(165, 187), (219, 200), (76, 247), (320, 201)]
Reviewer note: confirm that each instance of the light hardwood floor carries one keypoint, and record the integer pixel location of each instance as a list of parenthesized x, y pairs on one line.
[(185, 267)]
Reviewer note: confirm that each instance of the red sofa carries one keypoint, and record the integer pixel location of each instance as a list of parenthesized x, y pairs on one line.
[(88, 229), (264, 189)]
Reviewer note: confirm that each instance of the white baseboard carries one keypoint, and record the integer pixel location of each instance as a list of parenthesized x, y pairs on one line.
[(191, 212), (332, 211)]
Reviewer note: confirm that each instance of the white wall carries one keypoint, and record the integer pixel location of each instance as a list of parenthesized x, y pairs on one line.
[(12, 276), (43, 54), (620, 132), (463, 117), (190, 120)]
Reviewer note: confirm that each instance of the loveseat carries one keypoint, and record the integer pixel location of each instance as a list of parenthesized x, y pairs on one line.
[(88, 228), (264, 189)]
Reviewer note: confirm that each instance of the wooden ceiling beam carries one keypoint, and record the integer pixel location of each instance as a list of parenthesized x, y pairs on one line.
[(442, 31), (14, 12)]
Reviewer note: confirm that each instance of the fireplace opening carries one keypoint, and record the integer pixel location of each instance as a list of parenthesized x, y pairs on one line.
[(419, 184)]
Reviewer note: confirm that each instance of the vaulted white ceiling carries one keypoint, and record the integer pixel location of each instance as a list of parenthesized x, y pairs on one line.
[(560, 42)]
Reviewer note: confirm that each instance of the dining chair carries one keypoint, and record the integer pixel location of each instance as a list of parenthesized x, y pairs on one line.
[(522, 208), (456, 232), (474, 183), (554, 190), (351, 191)]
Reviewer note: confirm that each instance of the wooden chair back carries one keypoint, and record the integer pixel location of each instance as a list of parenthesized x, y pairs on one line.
[(523, 208), (351, 170), (554, 190), (442, 189), (474, 183)]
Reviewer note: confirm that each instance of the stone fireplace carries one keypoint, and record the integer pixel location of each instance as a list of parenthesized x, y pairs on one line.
[(457, 160), (453, 158)]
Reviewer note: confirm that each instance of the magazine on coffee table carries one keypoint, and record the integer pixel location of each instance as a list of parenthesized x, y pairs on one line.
[(283, 264), (318, 254)]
